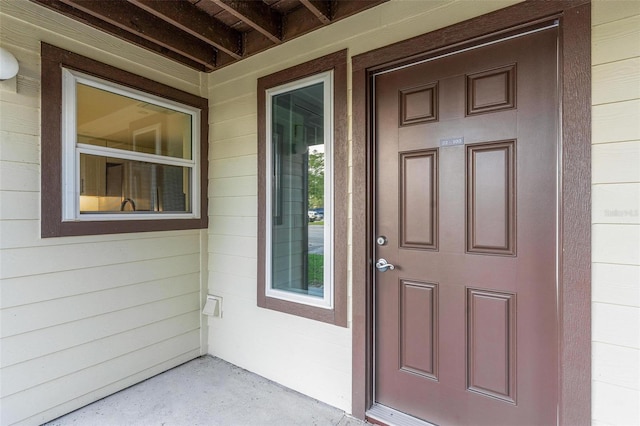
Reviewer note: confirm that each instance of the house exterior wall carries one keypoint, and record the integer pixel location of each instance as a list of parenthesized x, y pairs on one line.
[(82, 317), (615, 212), (309, 356), (314, 358)]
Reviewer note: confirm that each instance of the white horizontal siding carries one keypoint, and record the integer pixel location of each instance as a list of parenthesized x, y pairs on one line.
[(616, 284), (235, 147), (234, 108), (16, 176), (616, 42), (241, 266), (617, 365), (108, 389), (236, 186), (20, 319), (618, 244), (616, 325), (233, 245), (29, 203), (617, 203), (29, 289), (17, 147), (27, 346), (82, 317), (26, 375), (20, 119), (234, 167), (59, 391), (17, 262), (616, 162), (615, 213), (234, 285), (615, 405), (609, 11), (616, 81), (616, 122)]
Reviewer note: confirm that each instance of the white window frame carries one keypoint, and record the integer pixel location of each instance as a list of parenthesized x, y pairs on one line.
[(327, 301), (71, 151)]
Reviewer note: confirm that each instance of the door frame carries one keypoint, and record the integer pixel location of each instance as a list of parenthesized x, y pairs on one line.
[(574, 238)]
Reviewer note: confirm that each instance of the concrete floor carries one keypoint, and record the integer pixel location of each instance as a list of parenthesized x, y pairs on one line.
[(207, 391)]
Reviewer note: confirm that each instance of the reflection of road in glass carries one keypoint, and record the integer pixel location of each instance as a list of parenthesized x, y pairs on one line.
[(316, 239)]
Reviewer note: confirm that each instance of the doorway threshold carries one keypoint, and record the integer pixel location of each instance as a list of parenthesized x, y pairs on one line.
[(383, 415)]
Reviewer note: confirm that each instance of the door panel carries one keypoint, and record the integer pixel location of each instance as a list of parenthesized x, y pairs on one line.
[(419, 328), (466, 154), (418, 199), (491, 350), (491, 194)]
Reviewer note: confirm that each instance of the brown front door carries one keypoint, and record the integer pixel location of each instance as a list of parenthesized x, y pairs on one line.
[(466, 169)]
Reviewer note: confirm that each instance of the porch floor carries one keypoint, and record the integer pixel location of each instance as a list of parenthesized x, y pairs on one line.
[(207, 391)]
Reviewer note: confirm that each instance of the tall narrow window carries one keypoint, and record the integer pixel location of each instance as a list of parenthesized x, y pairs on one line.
[(299, 146), (302, 196)]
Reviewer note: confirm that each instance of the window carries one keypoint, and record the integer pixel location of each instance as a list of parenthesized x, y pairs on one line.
[(125, 154), (302, 161), (299, 143)]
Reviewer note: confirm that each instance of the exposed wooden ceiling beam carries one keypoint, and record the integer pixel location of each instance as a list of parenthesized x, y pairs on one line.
[(208, 34), (129, 18), (344, 8), (257, 15), (195, 22), (320, 8), (98, 23)]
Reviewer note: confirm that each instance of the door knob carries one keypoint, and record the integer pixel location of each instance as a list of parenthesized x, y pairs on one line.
[(383, 265)]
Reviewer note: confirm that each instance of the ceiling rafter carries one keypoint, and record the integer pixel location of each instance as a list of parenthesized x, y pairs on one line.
[(342, 9), (192, 20), (257, 15), (102, 25), (208, 34), (320, 8), (130, 18)]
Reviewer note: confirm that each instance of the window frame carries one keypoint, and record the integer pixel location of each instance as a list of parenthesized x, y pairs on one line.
[(336, 311), (72, 149), (55, 161), (326, 78)]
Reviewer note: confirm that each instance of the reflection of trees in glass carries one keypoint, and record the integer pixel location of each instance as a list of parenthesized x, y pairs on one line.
[(316, 179), (316, 270)]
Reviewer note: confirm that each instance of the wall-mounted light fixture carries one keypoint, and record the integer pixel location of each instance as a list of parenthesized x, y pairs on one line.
[(8, 64)]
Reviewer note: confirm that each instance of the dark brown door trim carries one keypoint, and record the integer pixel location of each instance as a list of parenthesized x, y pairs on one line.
[(574, 321)]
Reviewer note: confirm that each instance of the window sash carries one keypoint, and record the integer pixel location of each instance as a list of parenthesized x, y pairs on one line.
[(133, 155), (71, 151), (327, 301)]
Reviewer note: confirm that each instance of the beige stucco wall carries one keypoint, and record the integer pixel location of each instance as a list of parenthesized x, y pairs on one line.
[(615, 212), (81, 317), (308, 356)]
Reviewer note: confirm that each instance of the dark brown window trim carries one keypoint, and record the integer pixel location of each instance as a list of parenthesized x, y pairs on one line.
[(338, 63), (53, 59), (574, 323)]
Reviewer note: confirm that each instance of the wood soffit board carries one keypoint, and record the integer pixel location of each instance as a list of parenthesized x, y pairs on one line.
[(208, 34)]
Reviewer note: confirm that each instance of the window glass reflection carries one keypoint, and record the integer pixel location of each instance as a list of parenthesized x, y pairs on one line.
[(298, 191), (114, 121), (114, 185)]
